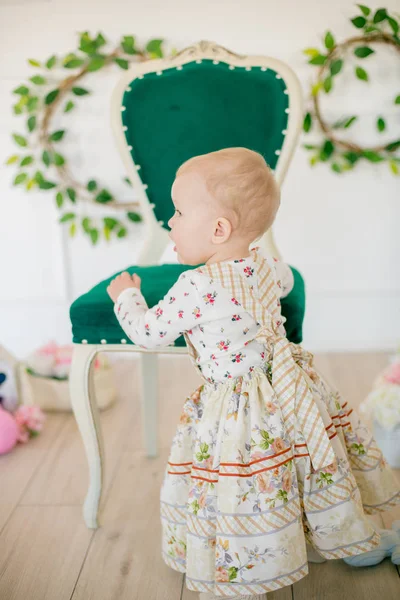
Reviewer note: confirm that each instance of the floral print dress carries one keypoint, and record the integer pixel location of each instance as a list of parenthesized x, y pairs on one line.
[(267, 455)]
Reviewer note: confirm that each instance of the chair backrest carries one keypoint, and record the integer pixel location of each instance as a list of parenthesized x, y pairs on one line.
[(203, 99)]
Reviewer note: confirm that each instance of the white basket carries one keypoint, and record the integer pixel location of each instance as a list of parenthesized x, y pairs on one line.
[(53, 395)]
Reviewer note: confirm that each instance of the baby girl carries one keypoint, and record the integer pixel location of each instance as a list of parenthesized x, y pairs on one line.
[(269, 463)]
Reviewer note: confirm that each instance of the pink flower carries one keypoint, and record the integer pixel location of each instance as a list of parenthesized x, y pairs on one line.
[(221, 574), (278, 445), (287, 481), (30, 415), (392, 374), (264, 481)]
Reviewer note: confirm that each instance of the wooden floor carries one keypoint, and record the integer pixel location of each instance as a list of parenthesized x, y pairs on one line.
[(46, 551)]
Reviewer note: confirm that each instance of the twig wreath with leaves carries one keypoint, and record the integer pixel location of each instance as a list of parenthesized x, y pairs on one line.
[(42, 166), (375, 28)]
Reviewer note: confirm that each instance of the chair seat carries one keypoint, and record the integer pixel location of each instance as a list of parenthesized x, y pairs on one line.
[(93, 318)]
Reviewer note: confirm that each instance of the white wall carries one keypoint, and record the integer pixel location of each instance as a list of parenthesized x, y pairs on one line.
[(340, 231)]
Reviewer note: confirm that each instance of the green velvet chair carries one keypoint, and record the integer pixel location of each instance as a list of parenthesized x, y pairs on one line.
[(163, 112)]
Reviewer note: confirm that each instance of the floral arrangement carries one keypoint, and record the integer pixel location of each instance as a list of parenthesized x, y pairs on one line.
[(54, 361), (383, 402)]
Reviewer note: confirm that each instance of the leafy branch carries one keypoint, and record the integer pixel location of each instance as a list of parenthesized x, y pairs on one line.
[(40, 163), (377, 27)]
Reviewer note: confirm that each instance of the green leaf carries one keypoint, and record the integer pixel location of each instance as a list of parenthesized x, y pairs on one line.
[(28, 160), (69, 106), (135, 217), (121, 62), (311, 52), (73, 63), (397, 100), (71, 193), (47, 185), (86, 226), (38, 80), (72, 229), (17, 109), (380, 15), (352, 157), (46, 158), (316, 87), (110, 223), (51, 62), (51, 96), (329, 41), (359, 22), (33, 62), (103, 197), (336, 66), (31, 123), (122, 232), (328, 84), (361, 74), (380, 123), (78, 91), (128, 181), (393, 167), (307, 123), (32, 103), (67, 217), (87, 44), (393, 146), (20, 140), (59, 160), (128, 44), (38, 177), (20, 178), (107, 233), (92, 185), (320, 59), (94, 235), (154, 47), (56, 136), (363, 51), (364, 9), (22, 90), (96, 63), (59, 199), (12, 159), (327, 150), (350, 122), (372, 156), (393, 24), (336, 167)]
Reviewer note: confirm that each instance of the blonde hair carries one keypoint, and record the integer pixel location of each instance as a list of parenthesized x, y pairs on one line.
[(243, 184)]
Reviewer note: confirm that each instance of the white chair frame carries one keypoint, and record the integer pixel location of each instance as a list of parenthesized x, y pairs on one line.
[(156, 241)]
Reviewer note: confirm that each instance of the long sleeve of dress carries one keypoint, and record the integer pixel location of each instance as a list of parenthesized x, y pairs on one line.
[(181, 309)]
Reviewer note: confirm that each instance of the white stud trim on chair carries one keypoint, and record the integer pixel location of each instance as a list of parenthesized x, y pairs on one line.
[(248, 68), (138, 167), (161, 222), (129, 147), (215, 62), (264, 69), (231, 67), (284, 131), (123, 108), (124, 128), (104, 341), (140, 76), (199, 61), (159, 72), (286, 92), (277, 152), (123, 341), (278, 76), (152, 205), (84, 341), (179, 68), (128, 89), (145, 186), (287, 111)]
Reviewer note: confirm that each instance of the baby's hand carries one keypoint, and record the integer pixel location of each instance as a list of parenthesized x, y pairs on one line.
[(122, 282)]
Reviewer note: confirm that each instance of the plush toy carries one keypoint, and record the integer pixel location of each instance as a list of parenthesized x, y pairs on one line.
[(389, 546), (9, 431), (8, 387)]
